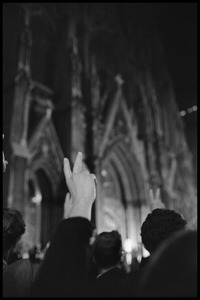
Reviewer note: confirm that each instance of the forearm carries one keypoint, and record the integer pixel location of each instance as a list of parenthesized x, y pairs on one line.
[(82, 210)]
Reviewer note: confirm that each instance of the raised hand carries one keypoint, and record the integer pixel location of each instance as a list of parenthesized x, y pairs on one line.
[(81, 186)]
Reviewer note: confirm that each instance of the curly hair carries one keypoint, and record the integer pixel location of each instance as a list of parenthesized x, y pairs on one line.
[(107, 249), (159, 225), (13, 227)]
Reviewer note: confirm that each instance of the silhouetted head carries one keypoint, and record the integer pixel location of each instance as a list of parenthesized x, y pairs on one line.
[(172, 271), (108, 249), (13, 228), (159, 225)]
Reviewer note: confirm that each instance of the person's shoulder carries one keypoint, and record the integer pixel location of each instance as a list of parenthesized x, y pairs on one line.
[(19, 263), (110, 284), (18, 278), (112, 275), (19, 266)]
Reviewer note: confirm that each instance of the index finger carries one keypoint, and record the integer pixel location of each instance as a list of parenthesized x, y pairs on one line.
[(67, 169), (78, 163)]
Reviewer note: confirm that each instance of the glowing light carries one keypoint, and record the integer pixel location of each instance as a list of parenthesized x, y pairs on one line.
[(25, 255), (189, 110), (182, 113), (145, 252), (128, 245), (104, 173), (37, 199), (128, 258)]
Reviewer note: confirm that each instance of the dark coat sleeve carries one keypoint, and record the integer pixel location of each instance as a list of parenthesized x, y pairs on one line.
[(63, 272)]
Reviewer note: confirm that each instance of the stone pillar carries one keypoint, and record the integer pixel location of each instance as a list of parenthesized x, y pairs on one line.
[(18, 190)]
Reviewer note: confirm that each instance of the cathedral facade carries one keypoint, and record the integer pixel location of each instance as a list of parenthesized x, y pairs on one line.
[(92, 77)]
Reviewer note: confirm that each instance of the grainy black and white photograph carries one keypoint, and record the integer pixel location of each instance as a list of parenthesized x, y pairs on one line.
[(99, 146)]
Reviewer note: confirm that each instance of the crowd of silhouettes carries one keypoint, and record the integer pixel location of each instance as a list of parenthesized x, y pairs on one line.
[(79, 262)]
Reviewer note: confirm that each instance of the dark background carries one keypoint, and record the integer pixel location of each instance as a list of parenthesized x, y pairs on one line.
[(177, 26)]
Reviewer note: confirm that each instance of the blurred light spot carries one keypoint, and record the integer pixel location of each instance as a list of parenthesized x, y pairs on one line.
[(25, 255), (37, 199), (104, 173), (190, 109), (128, 245), (182, 113), (128, 258), (145, 252), (106, 184)]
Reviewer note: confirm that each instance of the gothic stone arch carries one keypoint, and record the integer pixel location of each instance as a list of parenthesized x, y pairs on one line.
[(122, 197), (37, 155)]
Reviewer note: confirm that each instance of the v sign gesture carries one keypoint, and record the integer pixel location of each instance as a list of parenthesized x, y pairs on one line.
[(81, 186)]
